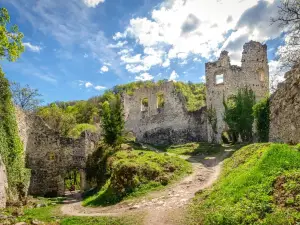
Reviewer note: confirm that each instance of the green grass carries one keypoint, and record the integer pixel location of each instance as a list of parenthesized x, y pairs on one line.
[(51, 215), (245, 192), (135, 173), (195, 148)]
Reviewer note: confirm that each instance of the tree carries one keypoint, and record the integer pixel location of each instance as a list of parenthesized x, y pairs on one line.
[(57, 118), (11, 45), (25, 97), (261, 112), (112, 120), (238, 113), (289, 18)]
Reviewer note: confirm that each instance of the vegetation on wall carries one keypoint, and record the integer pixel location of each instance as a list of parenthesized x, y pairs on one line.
[(261, 112), (11, 148), (194, 94), (238, 114), (259, 184)]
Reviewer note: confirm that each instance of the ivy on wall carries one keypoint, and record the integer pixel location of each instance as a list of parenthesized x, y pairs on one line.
[(11, 147)]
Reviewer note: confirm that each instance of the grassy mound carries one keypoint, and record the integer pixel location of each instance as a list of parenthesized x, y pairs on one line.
[(134, 173), (259, 185)]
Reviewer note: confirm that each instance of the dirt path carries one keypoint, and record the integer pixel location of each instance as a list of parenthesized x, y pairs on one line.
[(161, 207)]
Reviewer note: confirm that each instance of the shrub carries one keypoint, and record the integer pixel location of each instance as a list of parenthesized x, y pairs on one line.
[(261, 112)]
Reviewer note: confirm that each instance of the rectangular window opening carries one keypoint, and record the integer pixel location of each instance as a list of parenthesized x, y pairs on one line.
[(144, 104), (160, 99), (220, 79)]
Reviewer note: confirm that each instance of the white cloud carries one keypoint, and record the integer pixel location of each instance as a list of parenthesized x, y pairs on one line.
[(93, 3), (118, 45), (166, 63), (132, 68), (173, 76), (276, 74), (99, 88), (104, 69), (144, 77), (88, 84), (183, 28), (31, 47), (85, 55)]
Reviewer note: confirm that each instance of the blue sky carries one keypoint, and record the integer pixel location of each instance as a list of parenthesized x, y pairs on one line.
[(77, 49)]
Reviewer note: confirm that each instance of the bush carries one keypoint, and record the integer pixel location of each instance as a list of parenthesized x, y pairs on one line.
[(261, 112), (239, 115)]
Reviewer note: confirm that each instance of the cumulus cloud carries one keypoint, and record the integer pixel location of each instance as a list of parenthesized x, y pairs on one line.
[(99, 88), (93, 3), (200, 29), (31, 47), (118, 45), (104, 69), (173, 76), (144, 77), (88, 84)]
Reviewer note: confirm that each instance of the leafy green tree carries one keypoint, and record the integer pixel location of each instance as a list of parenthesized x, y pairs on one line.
[(25, 97), (57, 118), (11, 45), (112, 120), (261, 112), (239, 115)]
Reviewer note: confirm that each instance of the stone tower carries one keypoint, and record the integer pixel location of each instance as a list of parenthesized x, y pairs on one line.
[(224, 79)]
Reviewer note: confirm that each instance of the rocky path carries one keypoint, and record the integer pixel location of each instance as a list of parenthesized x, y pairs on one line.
[(161, 207)]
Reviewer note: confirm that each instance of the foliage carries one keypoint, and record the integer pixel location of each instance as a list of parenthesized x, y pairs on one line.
[(238, 113), (76, 131), (145, 102), (57, 118), (261, 113), (194, 94), (134, 173), (11, 45), (247, 190), (160, 100), (25, 97), (11, 148), (131, 87), (112, 120), (84, 112)]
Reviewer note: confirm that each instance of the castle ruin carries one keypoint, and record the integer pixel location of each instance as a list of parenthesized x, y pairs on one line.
[(224, 79)]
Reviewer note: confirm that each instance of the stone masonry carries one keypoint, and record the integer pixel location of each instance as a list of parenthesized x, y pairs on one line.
[(224, 79), (50, 156), (285, 109), (3, 184), (169, 124)]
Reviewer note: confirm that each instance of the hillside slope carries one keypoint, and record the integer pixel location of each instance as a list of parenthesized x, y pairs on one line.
[(259, 184)]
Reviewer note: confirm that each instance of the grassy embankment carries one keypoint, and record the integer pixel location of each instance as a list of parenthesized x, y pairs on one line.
[(136, 173), (259, 184)]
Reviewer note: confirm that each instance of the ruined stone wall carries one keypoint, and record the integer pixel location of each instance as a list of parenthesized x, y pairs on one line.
[(169, 124), (285, 109), (3, 184), (253, 73), (50, 156)]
